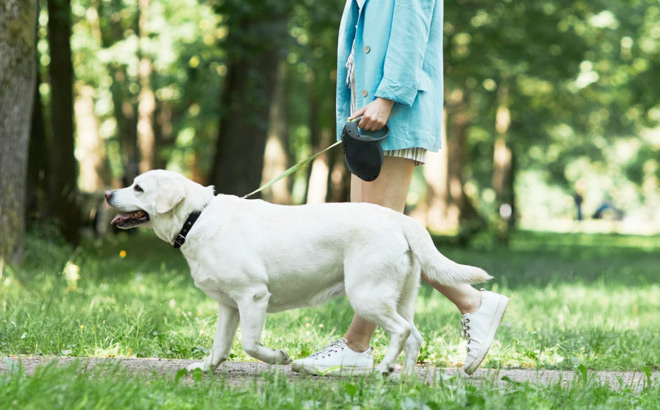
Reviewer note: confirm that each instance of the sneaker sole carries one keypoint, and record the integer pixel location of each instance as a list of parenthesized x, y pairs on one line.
[(490, 337), (331, 371)]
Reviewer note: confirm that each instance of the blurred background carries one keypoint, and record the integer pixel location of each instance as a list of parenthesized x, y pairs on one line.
[(552, 111)]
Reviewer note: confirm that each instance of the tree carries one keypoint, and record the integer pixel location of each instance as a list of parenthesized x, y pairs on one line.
[(94, 170), (275, 156), (125, 108), (37, 184), (315, 30), (257, 31), (17, 78), (64, 176), (146, 99)]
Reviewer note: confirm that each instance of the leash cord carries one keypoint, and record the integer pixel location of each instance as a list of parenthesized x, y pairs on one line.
[(291, 170)]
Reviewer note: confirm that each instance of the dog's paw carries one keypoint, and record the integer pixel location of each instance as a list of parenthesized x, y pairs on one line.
[(385, 369), (285, 358), (203, 366)]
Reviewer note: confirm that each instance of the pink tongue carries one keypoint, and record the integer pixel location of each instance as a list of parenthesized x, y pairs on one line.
[(120, 217)]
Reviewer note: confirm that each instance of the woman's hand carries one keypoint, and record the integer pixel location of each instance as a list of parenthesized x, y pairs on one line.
[(374, 115)]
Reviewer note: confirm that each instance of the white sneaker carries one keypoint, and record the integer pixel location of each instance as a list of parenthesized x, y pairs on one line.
[(479, 328), (336, 359)]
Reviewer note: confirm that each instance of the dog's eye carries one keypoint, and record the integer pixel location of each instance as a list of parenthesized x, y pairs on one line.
[(138, 188)]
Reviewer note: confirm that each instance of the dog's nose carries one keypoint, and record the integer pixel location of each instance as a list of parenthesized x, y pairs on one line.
[(108, 195)]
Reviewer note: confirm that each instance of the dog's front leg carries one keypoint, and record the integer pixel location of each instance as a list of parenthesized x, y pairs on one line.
[(224, 336), (252, 310)]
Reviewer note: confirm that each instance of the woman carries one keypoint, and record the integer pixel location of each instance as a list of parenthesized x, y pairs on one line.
[(390, 53)]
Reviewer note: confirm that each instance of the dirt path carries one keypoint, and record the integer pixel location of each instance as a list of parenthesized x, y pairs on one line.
[(241, 372)]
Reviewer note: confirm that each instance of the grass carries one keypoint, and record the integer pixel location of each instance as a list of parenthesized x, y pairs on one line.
[(73, 387), (577, 300)]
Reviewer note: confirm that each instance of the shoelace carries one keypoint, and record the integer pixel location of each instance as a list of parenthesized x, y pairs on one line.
[(464, 330), (327, 350)]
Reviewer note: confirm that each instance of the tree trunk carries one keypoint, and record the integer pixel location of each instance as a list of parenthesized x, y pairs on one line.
[(339, 179), (123, 101), (163, 137), (37, 183), (17, 78), (146, 99), (432, 209), (319, 181), (125, 110), (64, 188), (460, 211), (94, 171), (253, 44), (242, 134), (503, 169), (276, 157)]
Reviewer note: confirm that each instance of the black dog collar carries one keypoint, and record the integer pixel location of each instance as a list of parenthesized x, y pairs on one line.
[(187, 226)]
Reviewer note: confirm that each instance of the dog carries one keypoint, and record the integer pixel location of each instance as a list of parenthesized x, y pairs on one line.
[(254, 258)]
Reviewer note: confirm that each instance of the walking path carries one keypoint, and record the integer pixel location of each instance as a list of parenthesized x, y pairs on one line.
[(239, 372)]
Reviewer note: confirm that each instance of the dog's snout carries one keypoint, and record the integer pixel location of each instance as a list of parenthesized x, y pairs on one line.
[(108, 195)]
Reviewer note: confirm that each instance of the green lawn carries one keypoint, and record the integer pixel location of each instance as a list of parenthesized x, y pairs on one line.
[(590, 300), (71, 387)]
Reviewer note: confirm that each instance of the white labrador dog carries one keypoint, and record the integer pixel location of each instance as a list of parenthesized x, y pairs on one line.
[(254, 258)]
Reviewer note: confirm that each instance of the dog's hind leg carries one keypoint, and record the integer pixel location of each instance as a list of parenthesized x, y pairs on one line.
[(414, 341), (378, 307), (407, 311), (373, 287), (399, 330), (252, 310), (224, 336)]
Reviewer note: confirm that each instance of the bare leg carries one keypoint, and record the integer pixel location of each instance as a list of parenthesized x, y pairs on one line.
[(466, 298), (390, 190)]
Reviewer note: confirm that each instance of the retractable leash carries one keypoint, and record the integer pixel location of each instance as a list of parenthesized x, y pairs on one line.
[(362, 153), (290, 170)]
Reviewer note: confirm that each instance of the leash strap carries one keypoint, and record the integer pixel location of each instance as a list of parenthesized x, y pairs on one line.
[(291, 170)]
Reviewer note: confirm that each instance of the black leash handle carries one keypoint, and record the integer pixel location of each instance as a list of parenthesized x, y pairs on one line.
[(352, 129)]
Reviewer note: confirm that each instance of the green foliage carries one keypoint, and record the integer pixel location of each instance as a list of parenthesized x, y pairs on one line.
[(577, 76), (187, 72)]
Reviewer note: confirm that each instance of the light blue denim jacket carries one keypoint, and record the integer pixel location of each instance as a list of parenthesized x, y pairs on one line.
[(398, 56)]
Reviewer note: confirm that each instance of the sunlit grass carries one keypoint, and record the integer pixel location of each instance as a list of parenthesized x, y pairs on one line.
[(72, 386), (574, 300)]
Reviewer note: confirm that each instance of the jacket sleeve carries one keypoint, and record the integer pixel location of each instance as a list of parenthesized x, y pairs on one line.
[(404, 57)]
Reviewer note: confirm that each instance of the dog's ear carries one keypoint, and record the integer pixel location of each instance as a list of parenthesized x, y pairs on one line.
[(170, 194)]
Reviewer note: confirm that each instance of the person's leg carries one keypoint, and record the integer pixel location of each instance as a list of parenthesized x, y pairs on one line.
[(390, 190), (466, 298)]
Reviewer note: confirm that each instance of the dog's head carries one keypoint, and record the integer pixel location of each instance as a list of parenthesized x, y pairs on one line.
[(158, 199)]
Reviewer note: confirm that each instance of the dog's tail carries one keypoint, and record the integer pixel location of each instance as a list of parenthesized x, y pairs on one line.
[(435, 265)]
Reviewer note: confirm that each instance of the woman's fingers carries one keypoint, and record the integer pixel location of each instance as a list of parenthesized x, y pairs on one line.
[(374, 115), (357, 113), (373, 121)]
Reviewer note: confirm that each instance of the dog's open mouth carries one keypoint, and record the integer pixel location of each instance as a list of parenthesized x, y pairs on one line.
[(128, 220)]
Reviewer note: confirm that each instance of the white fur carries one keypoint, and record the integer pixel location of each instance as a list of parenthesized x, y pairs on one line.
[(254, 258)]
